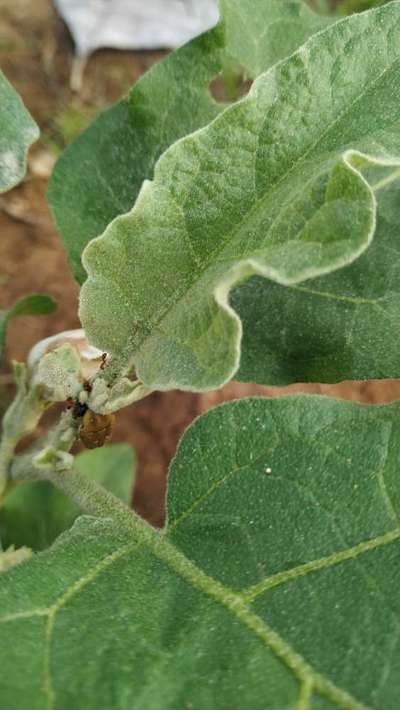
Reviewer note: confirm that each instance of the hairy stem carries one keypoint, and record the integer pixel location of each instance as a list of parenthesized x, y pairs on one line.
[(20, 419), (7, 447), (90, 496)]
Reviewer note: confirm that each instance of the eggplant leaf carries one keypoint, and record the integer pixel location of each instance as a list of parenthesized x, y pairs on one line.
[(275, 584), (295, 206), (17, 132), (36, 513), (338, 327), (99, 176)]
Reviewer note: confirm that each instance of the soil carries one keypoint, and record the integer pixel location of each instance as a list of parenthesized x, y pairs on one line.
[(36, 54)]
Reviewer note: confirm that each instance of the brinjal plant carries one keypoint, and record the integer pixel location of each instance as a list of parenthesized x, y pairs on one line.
[(254, 239)]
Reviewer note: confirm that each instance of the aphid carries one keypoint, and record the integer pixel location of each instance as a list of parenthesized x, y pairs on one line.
[(96, 429)]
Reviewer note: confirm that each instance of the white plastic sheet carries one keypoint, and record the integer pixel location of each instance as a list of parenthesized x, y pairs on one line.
[(135, 24)]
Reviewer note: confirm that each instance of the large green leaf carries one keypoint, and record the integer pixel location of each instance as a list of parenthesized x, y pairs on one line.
[(275, 585), (259, 34), (99, 176), (17, 132), (294, 206), (36, 513), (341, 326), (32, 305)]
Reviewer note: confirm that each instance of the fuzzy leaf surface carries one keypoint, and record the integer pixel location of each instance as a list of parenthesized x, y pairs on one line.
[(99, 176), (295, 206), (17, 133), (338, 327), (36, 513), (274, 585)]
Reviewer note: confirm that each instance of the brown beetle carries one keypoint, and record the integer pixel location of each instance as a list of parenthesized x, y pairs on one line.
[(96, 429)]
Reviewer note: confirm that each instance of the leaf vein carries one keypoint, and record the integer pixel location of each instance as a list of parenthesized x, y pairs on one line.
[(217, 484), (305, 695), (267, 195), (251, 593), (61, 602), (338, 297), (236, 604), (23, 615)]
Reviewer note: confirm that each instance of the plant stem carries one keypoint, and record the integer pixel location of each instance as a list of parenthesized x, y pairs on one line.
[(21, 418), (90, 496), (7, 446)]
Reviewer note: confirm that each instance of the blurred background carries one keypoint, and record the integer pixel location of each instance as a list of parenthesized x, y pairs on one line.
[(69, 60)]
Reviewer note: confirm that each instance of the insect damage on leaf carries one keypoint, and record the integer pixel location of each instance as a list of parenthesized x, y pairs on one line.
[(296, 206), (133, 133), (274, 583)]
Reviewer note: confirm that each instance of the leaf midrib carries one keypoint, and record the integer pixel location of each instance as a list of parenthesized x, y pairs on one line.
[(236, 603), (181, 292)]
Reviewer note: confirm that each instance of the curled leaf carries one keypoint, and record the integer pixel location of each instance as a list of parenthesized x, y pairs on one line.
[(59, 374), (273, 186), (100, 174)]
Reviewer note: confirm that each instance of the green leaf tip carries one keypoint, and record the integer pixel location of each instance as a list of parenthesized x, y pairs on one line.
[(34, 304), (273, 186)]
